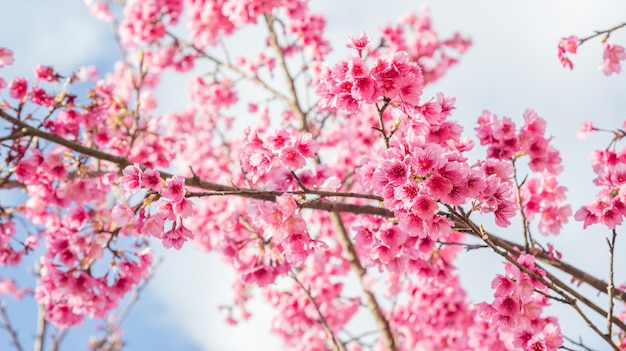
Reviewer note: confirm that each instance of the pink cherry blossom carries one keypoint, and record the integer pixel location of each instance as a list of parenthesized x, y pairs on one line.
[(18, 88), (359, 44), (174, 189), (6, 57), (613, 54)]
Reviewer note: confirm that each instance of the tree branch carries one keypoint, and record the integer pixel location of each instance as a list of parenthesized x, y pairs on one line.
[(9, 328), (611, 285), (294, 103), (357, 267), (196, 182)]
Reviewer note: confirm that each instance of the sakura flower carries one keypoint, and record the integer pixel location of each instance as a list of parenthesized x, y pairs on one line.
[(45, 73), (359, 44), (292, 158), (175, 190), (131, 179), (122, 214), (567, 45), (6, 57), (613, 54), (151, 178), (176, 237), (570, 44), (18, 88)]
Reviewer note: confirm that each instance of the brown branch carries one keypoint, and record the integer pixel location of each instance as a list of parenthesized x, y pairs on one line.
[(508, 246), (333, 207), (42, 324), (609, 289), (12, 184), (598, 33), (56, 341), (9, 328), (199, 183), (553, 283), (552, 286), (357, 267), (518, 194), (13, 136), (294, 102)]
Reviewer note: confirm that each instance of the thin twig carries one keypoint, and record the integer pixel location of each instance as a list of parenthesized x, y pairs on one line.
[(339, 345), (609, 288), (9, 328), (598, 33), (577, 343), (572, 301), (294, 102), (518, 193), (233, 68)]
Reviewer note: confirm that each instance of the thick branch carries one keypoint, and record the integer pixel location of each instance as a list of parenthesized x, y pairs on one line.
[(372, 303), (41, 328), (196, 182)]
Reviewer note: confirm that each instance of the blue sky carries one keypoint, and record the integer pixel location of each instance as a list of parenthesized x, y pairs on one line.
[(510, 67)]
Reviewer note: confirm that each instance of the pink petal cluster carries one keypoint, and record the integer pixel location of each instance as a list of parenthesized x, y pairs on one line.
[(538, 195), (170, 212), (8, 287), (351, 83), (613, 54), (289, 150), (567, 45), (518, 306), (143, 22), (609, 206), (544, 196)]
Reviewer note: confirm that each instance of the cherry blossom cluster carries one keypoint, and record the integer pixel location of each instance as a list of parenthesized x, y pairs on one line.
[(566, 46), (8, 287), (144, 21), (70, 295), (437, 314), (297, 322), (285, 237), (166, 223), (609, 206), (351, 83), (290, 151), (538, 195), (518, 306), (371, 135), (72, 284), (9, 254), (612, 53)]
